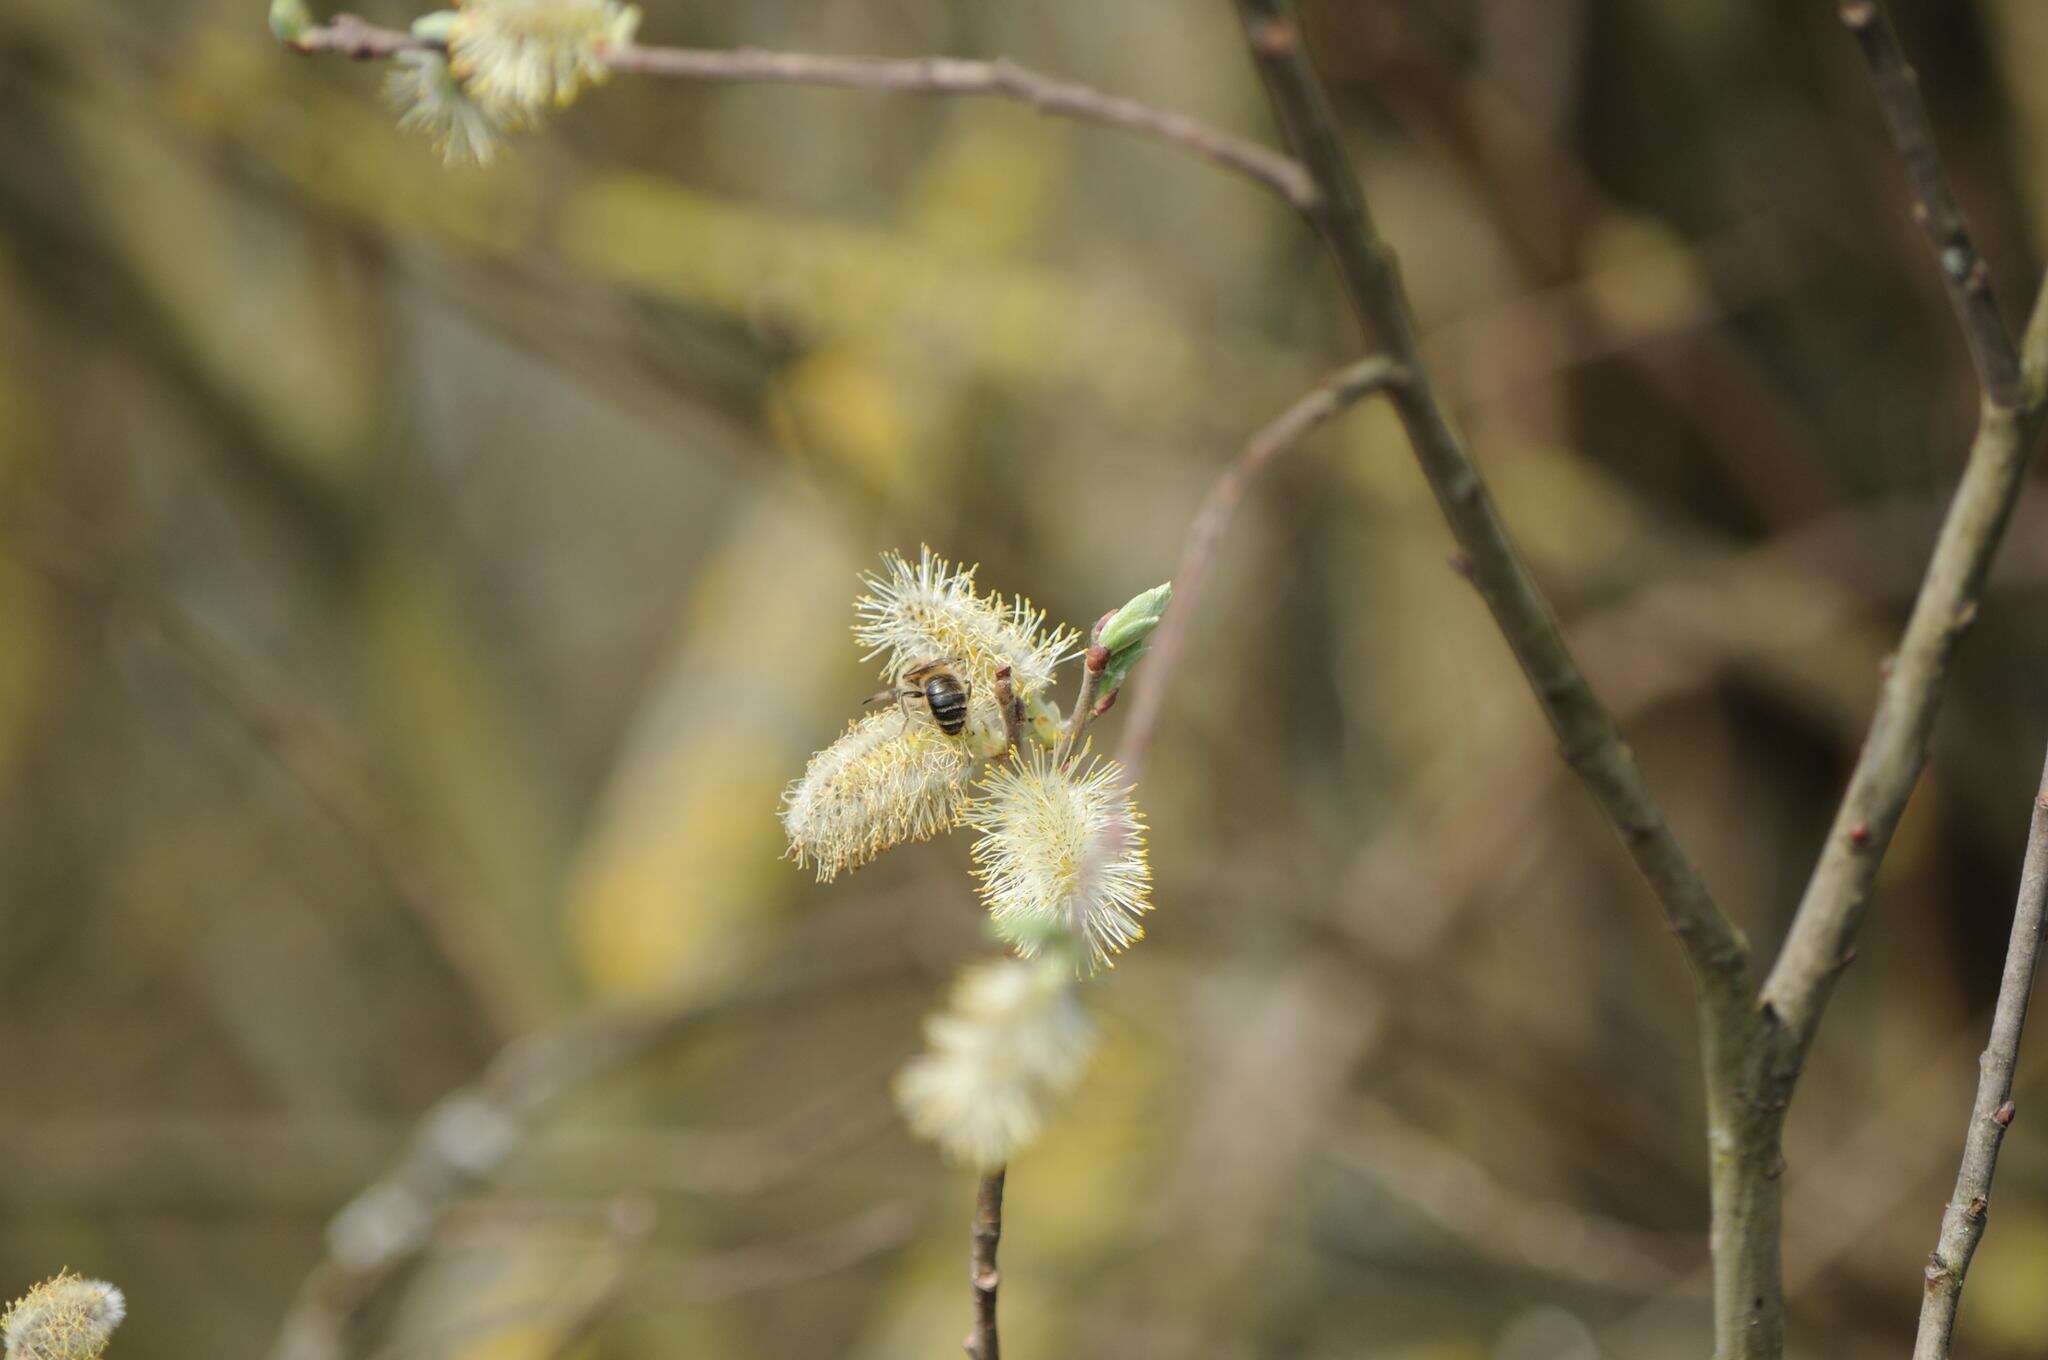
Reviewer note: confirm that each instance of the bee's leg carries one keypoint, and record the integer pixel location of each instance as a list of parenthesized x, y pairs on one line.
[(902, 702)]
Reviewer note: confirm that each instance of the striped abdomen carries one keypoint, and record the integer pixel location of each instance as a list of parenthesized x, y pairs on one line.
[(948, 700)]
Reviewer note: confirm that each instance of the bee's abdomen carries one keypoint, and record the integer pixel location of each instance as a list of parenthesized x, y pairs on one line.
[(948, 700)]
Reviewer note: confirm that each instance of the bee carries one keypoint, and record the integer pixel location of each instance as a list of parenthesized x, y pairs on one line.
[(942, 688)]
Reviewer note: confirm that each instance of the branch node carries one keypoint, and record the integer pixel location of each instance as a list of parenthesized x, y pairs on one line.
[(2002, 1116)]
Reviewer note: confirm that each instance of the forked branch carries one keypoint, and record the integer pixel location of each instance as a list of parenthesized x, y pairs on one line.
[(1838, 894), (1591, 742)]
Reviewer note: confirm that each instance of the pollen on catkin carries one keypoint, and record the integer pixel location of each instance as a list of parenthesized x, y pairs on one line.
[(519, 57), (67, 1317), (1061, 857), (884, 782), (431, 101), (930, 611), (1013, 1040)]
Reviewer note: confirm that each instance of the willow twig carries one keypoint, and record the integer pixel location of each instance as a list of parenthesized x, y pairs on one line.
[(1747, 1292), (1592, 744), (349, 36), (1093, 663), (1204, 536), (1962, 1225), (1963, 271), (982, 1343), (1838, 894)]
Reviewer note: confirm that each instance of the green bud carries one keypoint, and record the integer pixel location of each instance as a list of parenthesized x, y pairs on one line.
[(435, 27), (1119, 669), (1126, 634), (289, 19), (1130, 626)]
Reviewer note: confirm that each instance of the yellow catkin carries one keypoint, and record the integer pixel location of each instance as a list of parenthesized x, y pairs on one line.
[(518, 58), (886, 780), (1061, 857), (930, 611), (66, 1317), (1012, 1041), (433, 103)]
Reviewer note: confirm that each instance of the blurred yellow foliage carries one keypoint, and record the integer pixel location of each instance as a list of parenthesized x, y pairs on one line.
[(678, 870)]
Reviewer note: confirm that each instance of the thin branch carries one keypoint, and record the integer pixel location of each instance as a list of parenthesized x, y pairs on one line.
[(1963, 271), (1963, 1223), (1092, 665), (1837, 896), (349, 36), (1591, 743), (982, 1343), (1748, 1292), (1204, 537)]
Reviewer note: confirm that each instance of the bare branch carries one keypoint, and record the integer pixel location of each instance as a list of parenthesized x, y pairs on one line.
[(1204, 537), (1093, 664), (982, 1343), (1963, 1223), (1748, 1293), (351, 37), (1832, 909), (1963, 271), (1592, 745)]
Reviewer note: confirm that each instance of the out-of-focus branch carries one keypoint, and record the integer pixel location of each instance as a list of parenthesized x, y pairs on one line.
[(307, 746), (1205, 534), (1962, 1225), (655, 1281), (1963, 271), (349, 36), (982, 1343), (1466, 1201), (470, 1133)]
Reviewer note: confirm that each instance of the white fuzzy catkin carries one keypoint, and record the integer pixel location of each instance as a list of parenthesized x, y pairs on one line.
[(1012, 1042), (930, 612), (1061, 857), (432, 102), (67, 1317), (885, 781), (520, 57)]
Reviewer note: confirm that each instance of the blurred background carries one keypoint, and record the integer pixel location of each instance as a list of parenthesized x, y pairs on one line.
[(417, 584)]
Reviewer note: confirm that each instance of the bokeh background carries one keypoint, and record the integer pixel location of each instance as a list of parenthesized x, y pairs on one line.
[(417, 584)]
